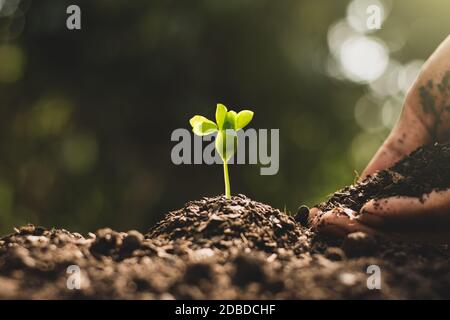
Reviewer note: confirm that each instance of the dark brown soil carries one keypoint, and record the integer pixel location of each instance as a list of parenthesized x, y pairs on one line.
[(238, 249), (218, 249), (424, 170)]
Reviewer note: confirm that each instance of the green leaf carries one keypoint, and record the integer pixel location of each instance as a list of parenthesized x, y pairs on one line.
[(221, 114), (226, 144), (197, 119), (202, 126), (243, 118), (230, 121), (203, 129)]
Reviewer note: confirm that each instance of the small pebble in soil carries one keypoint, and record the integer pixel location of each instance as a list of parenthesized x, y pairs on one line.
[(28, 229), (197, 271), (334, 254), (106, 241), (132, 241), (302, 215), (359, 244), (248, 269), (347, 279)]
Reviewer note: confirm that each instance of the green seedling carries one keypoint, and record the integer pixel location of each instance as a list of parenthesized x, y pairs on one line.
[(227, 124)]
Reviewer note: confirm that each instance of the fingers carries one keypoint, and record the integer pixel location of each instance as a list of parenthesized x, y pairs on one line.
[(338, 222), (404, 218), (431, 211)]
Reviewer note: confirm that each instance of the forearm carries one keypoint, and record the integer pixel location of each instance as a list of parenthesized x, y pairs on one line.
[(428, 96), (425, 116)]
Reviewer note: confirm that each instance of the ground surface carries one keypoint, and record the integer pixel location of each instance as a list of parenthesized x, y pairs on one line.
[(204, 250), (215, 248)]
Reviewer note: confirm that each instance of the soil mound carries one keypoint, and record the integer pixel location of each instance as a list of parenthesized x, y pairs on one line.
[(218, 222), (424, 170)]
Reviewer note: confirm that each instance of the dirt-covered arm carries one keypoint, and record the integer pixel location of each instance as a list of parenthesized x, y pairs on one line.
[(426, 113)]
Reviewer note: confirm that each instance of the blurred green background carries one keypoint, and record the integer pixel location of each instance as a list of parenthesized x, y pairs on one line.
[(86, 116)]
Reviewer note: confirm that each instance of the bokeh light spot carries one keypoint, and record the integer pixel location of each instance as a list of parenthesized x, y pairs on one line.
[(79, 153), (12, 63), (363, 59)]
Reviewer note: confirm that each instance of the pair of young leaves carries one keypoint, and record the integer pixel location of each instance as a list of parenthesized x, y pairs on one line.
[(226, 126)]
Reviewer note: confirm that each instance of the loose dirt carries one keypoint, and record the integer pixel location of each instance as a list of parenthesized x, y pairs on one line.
[(216, 248)]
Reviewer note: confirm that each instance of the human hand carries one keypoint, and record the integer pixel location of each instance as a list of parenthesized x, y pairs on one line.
[(425, 119)]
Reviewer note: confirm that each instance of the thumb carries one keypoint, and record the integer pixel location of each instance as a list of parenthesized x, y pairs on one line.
[(432, 212)]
